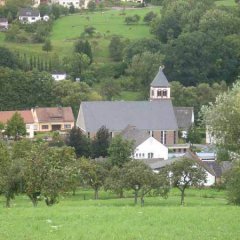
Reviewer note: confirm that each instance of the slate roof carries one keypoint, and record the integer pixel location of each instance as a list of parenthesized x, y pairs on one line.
[(26, 115), (160, 80), (184, 116), (219, 168), (54, 114), (116, 115), (134, 134), (26, 12)]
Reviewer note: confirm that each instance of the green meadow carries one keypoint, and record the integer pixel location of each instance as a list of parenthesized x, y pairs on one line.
[(205, 215), (107, 23)]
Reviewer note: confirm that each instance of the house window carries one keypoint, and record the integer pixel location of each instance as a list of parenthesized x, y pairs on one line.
[(33, 18), (88, 134), (150, 155), (175, 137), (143, 155), (136, 154), (67, 126), (165, 137), (44, 127)]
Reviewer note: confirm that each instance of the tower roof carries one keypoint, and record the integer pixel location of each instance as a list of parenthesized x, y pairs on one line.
[(160, 80)]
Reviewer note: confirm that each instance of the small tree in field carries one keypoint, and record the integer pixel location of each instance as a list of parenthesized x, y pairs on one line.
[(186, 173), (149, 17), (132, 19), (16, 127), (47, 46)]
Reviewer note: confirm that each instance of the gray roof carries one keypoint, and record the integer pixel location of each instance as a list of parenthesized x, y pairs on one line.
[(219, 168), (27, 12), (160, 80), (184, 116), (116, 115), (134, 134)]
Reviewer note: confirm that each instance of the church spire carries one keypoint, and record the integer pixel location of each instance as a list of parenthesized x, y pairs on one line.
[(160, 87)]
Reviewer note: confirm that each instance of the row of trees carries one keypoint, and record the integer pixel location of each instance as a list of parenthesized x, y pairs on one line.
[(44, 172)]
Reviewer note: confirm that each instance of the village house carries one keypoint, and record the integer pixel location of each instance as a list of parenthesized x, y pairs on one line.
[(53, 119), (3, 24), (65, 3), (145, 146), (58, 75), (27, 15), (27, 116), (2, 2), (157, 116)]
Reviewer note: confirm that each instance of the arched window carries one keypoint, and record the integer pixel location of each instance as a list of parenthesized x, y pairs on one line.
[(165, 93)]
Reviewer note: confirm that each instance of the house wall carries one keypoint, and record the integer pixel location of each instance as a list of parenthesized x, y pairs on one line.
[(151, 147), (29, 19), (4, 25), (167, 138), (30, 130), (47, 126), (210, 180), (59, 77)]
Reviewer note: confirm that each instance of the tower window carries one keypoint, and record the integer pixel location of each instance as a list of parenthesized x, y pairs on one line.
[(165, 93), (159, 93)]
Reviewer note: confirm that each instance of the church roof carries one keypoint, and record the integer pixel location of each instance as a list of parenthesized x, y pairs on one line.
[(116, 115), (184, 116), (134, 134), (160, 80)]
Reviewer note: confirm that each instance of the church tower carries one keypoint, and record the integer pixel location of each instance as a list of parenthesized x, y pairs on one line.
[(160, 87)]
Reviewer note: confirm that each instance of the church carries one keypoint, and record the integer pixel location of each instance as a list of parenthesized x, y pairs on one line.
[(157, 116)]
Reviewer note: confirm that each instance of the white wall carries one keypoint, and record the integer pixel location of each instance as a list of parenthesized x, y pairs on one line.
[(59, 77), (210, 179), (30, 19), (151, 145), (30, 130), (155, 91)]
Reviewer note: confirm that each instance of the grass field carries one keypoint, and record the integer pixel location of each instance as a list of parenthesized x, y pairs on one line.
[(226, 3), (67, 29), (205, 216)]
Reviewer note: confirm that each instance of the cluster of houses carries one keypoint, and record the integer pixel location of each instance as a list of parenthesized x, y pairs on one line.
[(152, 125), (65, 3)]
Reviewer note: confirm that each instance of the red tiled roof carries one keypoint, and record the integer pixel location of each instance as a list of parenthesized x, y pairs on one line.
[(7, 115), (54, 114)]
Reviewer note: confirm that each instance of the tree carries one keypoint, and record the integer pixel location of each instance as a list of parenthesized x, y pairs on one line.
[(93, 174), (101, 143), (193, 135), (47, 46), (89, 30), (79, 142), (110, 88), (139, 177), (132, 19), (84, 47), (149, 17), (76, 64), (143, 68), (16, 127), (222, 119), (91, 6), (7, 58), (71, 9), (186, 173), (233, 183), (116, 47), (120, 151)]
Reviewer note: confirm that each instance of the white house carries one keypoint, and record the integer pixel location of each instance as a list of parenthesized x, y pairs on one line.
[(151, 148), (3, 24), (145, 146), (58, 76), (27, 15)]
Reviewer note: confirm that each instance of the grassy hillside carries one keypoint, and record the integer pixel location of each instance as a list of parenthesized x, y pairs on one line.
[(226, 3), (205, 216), (67, 29)]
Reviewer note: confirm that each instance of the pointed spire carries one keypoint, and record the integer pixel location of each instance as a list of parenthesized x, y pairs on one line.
[(160, 80)]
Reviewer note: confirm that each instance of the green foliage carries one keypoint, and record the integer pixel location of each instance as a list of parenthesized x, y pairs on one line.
[(149, 17), (92, 6), (33, 89), (222, 117), (101, 143), (84, 47), (194, 135), (233, 184), (116, 47), (185, 173), (47, 46), (110, 88), (144, 68), (16, 127), (120, 151), (93, 174), (132, 19), (79, 142), (7, 58)]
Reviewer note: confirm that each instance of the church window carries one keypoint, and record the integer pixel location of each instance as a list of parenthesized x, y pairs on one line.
[(165, 136), (153, 93), (165, 93), (159, 93)]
